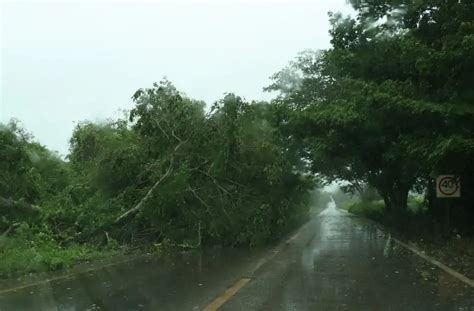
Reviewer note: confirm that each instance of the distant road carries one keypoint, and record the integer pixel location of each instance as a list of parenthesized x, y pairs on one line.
[(335, 262)]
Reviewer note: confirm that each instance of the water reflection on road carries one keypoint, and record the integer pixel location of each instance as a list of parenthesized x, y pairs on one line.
[(342, 262), (335, 262), (185, 281)]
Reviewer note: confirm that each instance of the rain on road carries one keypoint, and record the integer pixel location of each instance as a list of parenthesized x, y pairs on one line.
[(336, 261)]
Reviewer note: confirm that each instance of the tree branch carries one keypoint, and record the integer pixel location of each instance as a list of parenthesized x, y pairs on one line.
[(214, 181), (198, 197), (179, 139), (159, 126), (148, 195)]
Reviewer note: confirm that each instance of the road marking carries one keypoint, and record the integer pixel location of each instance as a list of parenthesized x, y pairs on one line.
[(222, 299), (276, 251), (438, 264)]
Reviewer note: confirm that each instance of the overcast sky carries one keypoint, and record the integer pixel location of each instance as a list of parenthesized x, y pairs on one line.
[(66, 61)]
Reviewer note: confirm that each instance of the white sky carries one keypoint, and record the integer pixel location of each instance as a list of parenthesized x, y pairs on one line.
[(66, 61)]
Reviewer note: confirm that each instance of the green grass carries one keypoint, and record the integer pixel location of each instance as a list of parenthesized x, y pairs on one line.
[(372, 209), (41, 254), (414, 221), (415, 205)]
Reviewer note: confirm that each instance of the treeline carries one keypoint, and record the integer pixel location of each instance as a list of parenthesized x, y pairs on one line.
[(391, 104), (171, 173), (388, 107)]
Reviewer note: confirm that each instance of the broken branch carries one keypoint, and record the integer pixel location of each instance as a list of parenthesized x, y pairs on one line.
[(148, 195)]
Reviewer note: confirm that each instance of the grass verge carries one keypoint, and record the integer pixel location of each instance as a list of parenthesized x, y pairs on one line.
[(33, 251), (416, 226), (21, 256)]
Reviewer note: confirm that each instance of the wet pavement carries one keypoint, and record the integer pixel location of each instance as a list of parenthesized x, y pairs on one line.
[(334, 262), (342, 262), (186, 281)]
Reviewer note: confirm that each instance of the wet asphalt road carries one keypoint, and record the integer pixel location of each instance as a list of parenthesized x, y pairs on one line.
[(334, 262)]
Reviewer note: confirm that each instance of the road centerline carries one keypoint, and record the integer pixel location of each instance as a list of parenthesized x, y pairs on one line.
[(222, 299)]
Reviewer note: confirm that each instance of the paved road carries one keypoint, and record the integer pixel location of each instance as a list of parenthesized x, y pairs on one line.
[(334, 262), (341, 262)]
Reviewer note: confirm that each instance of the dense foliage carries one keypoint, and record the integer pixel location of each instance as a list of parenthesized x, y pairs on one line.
[(390, 105), (170, 173)]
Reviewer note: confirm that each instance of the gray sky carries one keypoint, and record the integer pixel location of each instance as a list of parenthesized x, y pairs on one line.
[(66, 61)]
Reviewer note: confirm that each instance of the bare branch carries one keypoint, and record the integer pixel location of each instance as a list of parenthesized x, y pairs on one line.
[(198, 197), (179, 139), (199, 235), (159, 126), (179, 145), (199, 166), (107, 236), (148, 195), (234, 182), (214, 181)]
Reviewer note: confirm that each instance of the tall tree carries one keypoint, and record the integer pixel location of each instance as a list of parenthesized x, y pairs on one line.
[(382, 104)]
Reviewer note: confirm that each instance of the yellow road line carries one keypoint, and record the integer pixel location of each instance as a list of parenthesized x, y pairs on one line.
[(222, 299)]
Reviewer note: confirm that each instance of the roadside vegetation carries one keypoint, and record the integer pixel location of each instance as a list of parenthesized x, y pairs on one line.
[(389, 107), (384, 110), (169, 174), (414, 221), (420, 229)]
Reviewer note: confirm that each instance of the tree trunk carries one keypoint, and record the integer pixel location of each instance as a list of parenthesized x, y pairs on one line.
[(386, 200), (398, 197)]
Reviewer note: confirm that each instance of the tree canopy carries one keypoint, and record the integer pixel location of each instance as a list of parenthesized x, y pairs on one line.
[(390, 104), (169, 172)]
